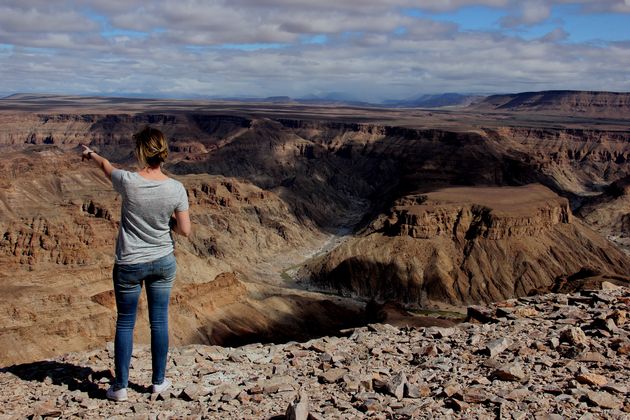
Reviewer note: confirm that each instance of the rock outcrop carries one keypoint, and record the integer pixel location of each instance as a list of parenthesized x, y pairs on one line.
[(465, 245), (567, 102), (547, 356), (609, 212)]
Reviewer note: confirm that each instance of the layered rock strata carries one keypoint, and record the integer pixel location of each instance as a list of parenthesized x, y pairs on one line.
[(566, 102), (465, 245)]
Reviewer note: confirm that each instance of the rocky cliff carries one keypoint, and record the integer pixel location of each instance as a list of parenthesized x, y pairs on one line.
[(609, 213), (567, 102), (465, 245)]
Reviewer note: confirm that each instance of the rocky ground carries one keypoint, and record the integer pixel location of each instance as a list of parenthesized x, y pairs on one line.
[(549, 357)]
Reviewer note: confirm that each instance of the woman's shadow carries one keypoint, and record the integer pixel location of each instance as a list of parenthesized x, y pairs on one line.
[(80, 378)]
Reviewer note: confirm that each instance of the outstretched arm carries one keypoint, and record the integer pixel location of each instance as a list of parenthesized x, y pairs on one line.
[(102, 163)]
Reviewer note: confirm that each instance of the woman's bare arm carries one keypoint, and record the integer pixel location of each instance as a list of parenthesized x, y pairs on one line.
[(103, 163), (180, 223)]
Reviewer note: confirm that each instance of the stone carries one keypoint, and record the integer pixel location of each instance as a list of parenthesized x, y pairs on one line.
[(442, 332), (183, 361), (475, 396), (510, 372), (591, 379), (606, 285), (227, 391), (193, 392), (332, 376), (415, 391), (298, 409), (371, 406), (89, 404), (518, 394), (623, 349), (603, 399), (574, 336), (549, 416), (351, 382), (615, 388), (518, 415), (607, 324), (428, 351), (407, 411), (496, 347), (525, 312), (47, 409), (451, 389), (139, 408), (619, 316), (396, 385), (215, 353), (480, 314), (481, 380), (455, 404), (318, 347), (591, 356)]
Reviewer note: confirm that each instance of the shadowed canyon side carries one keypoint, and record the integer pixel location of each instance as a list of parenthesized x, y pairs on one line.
[(271, 187), (609, 212)]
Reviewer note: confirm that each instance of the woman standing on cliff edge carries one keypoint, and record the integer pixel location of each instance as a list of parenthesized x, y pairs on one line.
[(152, 205)]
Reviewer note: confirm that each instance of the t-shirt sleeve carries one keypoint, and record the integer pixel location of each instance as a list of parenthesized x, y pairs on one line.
[(117, 180), (182, 201)]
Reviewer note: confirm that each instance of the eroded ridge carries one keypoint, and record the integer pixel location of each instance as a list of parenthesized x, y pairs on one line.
[(554, 354), (463, 245), (467, 213)]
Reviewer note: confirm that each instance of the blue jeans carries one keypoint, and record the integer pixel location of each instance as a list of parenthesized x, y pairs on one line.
[(158, 275)]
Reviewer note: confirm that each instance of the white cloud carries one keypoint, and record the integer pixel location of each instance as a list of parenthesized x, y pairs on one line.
[(35, 20), (530, 12), (371, 48)]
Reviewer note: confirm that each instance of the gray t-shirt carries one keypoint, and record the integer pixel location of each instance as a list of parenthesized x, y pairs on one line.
[(147, 206)]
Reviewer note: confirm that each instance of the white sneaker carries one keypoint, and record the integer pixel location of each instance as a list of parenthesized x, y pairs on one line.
[(117, 395), (158, 389)]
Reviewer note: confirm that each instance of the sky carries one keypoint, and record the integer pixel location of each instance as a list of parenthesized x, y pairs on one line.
[(369, 50)]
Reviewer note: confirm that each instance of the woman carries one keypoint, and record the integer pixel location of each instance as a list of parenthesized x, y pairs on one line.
[(152, 205)]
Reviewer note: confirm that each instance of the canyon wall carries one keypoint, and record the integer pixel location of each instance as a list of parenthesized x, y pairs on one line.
[(566, 102), (465, 245), (266, 191)]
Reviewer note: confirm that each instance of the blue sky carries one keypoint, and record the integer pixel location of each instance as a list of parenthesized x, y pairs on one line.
[(369, 50), (579, 25)]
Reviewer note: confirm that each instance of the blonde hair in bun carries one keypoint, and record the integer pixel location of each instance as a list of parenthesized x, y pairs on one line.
[(151, 147)]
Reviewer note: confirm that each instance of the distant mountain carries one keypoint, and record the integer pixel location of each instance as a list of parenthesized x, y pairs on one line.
[(572, 102), (330, 97), (435, 101)]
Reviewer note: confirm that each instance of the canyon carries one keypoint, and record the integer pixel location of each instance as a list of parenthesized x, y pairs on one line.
[(304, 216)]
